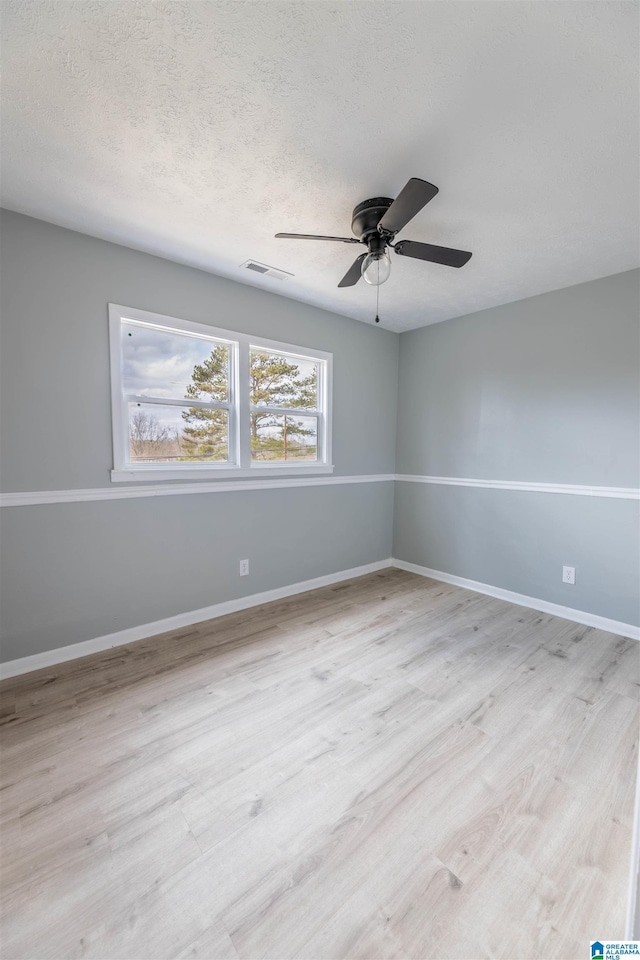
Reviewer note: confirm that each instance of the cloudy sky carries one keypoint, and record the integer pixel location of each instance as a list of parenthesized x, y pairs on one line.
[(159, 363)]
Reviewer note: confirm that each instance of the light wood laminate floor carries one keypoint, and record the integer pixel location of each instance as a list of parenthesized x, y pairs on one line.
[(388, 767)]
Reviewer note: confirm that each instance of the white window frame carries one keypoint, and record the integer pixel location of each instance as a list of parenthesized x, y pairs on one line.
[(240, 464)]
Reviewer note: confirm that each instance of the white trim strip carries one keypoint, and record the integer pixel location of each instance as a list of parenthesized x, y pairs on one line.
[(576, 490), (13, 668), (632, 926), (31, 498), (629, 630)]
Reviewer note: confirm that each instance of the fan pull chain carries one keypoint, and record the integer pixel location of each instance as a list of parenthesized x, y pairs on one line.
[(377, 301)]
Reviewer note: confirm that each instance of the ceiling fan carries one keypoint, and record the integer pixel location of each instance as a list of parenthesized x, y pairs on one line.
[(376, 222)]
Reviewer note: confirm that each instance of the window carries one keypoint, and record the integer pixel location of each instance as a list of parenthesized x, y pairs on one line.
[(191, 401)]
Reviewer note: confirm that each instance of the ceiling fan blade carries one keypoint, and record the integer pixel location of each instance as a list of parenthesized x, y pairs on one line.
[(427, 251), (311, 236), (412, 198), (353, 274)]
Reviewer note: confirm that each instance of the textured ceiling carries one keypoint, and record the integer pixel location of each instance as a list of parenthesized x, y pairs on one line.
[(197, 130)]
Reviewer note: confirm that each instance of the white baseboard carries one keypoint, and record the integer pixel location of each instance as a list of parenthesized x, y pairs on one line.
[(632, 927), (544, 606), (13, 668)]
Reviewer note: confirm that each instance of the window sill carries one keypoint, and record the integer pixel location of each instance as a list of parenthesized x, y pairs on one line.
[(220, 473)]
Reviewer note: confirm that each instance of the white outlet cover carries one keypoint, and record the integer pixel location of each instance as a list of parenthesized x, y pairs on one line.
[(569, 575)]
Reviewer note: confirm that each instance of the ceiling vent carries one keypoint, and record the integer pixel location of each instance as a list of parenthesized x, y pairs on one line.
[(266, 270)]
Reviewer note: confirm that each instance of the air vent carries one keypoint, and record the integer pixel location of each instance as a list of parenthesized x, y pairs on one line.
[(266, 270)]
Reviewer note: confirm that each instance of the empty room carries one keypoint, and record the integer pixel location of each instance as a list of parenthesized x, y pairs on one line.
[(320, 566)]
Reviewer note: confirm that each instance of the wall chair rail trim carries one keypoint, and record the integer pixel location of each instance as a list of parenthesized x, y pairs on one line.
[(527, 486), (32, 498)]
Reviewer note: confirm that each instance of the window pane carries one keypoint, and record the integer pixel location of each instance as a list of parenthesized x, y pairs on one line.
[(162, 363), (279, 437), (160, 434), (278, 380)]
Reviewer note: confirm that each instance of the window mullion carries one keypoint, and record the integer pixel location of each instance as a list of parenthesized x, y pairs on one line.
[(322, 420), (242, 405), (326, 400)]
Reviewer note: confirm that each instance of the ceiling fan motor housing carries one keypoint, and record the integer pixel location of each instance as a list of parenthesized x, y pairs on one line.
[(367, 215)]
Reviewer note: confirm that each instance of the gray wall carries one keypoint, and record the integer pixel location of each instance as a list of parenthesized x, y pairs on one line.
[(56, 285), (542, 390), (75, 571)]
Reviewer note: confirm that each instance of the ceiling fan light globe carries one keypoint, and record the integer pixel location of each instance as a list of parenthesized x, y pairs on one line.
[(376, 268)]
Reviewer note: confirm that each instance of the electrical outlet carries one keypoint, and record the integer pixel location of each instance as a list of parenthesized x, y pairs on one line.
[(569, 575), (244, 568)]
